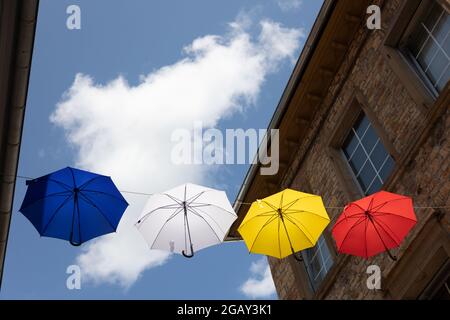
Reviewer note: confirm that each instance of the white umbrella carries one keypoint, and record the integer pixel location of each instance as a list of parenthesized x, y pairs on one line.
[(186, 219)]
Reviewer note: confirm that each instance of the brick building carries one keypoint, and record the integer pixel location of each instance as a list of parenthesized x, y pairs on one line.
[(366, 110)]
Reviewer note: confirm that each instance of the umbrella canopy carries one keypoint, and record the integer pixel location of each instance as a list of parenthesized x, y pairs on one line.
[(73, 204), (186, 219), (284, 223), (374, 224)]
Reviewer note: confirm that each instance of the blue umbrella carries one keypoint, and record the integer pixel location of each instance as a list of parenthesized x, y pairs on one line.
[(74, 205)]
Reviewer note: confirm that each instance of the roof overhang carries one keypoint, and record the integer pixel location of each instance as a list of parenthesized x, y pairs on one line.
[(17, 31)]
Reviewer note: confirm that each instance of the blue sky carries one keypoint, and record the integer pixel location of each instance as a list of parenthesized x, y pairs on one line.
[(137, 62)]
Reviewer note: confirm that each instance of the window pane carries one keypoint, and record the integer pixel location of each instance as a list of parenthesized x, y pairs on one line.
[(361, 125), (376, 186), (432, 16), (350, 145), (318, 261), (428, 51), (437, 66), (366, 176), (443, 81), (379, 156), (370, 139), (387, 169), (371, 163), (441, 30), (429, 44), (329, 262), (358, 159), (446, 44)]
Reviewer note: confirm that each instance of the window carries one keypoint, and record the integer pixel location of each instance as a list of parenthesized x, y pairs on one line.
[(367, 156), (427, 46), (439, 286), (318, 261)]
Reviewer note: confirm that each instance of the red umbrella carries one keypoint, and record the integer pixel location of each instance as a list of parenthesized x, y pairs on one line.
[(374, 224)]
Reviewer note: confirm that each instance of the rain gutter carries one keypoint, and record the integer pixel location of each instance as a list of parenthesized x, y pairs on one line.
[(17, 33)]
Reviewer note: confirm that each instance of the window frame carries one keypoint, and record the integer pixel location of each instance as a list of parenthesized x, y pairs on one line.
[(405, 50), (344, 172), (399, 57), (315, 287), (368, 155)]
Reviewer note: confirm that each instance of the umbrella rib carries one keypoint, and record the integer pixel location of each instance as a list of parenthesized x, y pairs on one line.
[(79, 223), (169, 206), (279, 241), (66, 186), (350, 230), (64, 193), (195, 197), (357, 205), (264, 214), (300, 211), (89, 201), (287, 234), (349, 217), (270, 205), (363, 211), (174, 199), (199, 215), (209, 216), (90, 181), (47, 178), (391, 214), (165, 223), (56, 211), (290, 204), (365, 236), (73, 178), (75, 207), (281, 200), (200, 205), (303, 231), (260, 230), (379, 236), (386, 202), (374, 221), (390, 230), (212, 205), (106, 194)]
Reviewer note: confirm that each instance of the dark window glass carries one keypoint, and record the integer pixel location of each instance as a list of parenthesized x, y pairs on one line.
[(429, 45), (367, 157), (318, 261)]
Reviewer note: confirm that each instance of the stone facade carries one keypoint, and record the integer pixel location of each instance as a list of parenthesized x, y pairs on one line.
[(418, 136)]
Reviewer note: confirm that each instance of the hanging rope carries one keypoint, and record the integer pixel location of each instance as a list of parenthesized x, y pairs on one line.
[(123, 191), (237, 202)]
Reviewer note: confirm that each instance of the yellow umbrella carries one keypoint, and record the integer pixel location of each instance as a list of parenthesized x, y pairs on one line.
[(284, 223)]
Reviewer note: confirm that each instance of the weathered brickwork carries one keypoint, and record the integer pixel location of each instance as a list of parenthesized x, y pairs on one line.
[(425, 178)]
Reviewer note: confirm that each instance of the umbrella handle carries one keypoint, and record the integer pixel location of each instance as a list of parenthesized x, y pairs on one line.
[(75, 244), (394, 258), (299, 259), (188, 255)]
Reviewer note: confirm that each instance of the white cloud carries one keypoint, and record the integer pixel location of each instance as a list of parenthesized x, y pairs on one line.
[(260, 284), (124, 131), (288, 5), (270, 39)]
